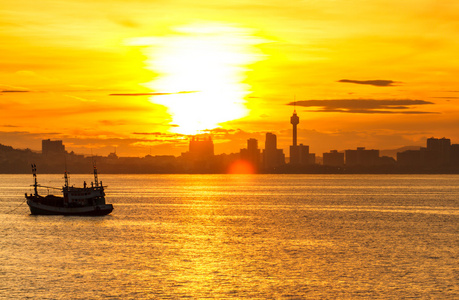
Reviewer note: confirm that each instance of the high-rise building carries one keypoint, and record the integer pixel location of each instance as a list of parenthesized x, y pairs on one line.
[(272, 157), (251, 153), (299, 154), (270, 141), (201, 147), (52, 148), (441, 150), (438, 153)]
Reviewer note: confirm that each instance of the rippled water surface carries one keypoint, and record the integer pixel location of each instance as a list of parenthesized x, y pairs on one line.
[(234, 236)]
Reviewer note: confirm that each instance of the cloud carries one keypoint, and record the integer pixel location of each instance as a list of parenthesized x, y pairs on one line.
[(152, 94), (370, 82), (365, 106), (157, 133), (220, 130), (148, 133), (14, 91)]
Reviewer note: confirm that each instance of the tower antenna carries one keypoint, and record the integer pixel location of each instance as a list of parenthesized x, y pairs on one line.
[(294, 103)]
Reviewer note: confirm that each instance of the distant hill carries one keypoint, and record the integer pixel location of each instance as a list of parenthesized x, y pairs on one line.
[(4, 148), (393, 152)]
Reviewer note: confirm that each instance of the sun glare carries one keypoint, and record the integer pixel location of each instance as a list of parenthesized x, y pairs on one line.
[(241, 167), (201, 72)]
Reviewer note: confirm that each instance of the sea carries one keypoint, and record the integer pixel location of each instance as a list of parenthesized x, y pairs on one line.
[(237, 237)]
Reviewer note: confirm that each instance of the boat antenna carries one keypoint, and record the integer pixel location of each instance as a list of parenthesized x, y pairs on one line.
[(35, 185)]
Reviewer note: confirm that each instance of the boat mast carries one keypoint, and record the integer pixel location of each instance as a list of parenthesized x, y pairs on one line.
[(66, 180), (35, 185), (96, 180)]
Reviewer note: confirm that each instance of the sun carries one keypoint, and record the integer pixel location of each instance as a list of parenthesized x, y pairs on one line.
[(201, 72)]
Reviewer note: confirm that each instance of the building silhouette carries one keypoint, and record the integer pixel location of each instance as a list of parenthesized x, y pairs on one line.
[(52, 148), (272, 157), (299, 154), (438, 153), (294, 120), (411, 158), (441, 150), (455, 154), (201, 146), (251, 154), (294, 149), (200, 155), (333, 159), (362, 157)]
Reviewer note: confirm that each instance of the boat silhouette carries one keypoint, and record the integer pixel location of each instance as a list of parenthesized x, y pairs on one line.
[(76, 201)]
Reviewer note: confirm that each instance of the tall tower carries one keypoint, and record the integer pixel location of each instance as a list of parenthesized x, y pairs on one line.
[(294, 120)]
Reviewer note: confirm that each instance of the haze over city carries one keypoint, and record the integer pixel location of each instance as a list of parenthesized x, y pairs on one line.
[(142, 76)]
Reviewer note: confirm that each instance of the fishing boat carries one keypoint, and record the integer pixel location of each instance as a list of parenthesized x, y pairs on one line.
[(76, 201)]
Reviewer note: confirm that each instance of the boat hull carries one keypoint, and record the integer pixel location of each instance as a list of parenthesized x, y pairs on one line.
[(94, 210)]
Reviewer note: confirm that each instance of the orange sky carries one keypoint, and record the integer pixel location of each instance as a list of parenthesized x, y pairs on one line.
[(140, 76)]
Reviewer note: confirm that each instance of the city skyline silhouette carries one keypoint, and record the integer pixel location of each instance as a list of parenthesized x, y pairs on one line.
[(360, 75), (439, 156), (248, 149)]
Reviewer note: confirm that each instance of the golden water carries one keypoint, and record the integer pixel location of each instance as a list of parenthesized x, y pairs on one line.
[(234, 236)]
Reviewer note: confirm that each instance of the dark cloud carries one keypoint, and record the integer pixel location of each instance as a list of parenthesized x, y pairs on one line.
[(214, 132), (148, 133), (370, 82), (365, 106), (369, 111), (159, 134), (14, 91), (152, 94)]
